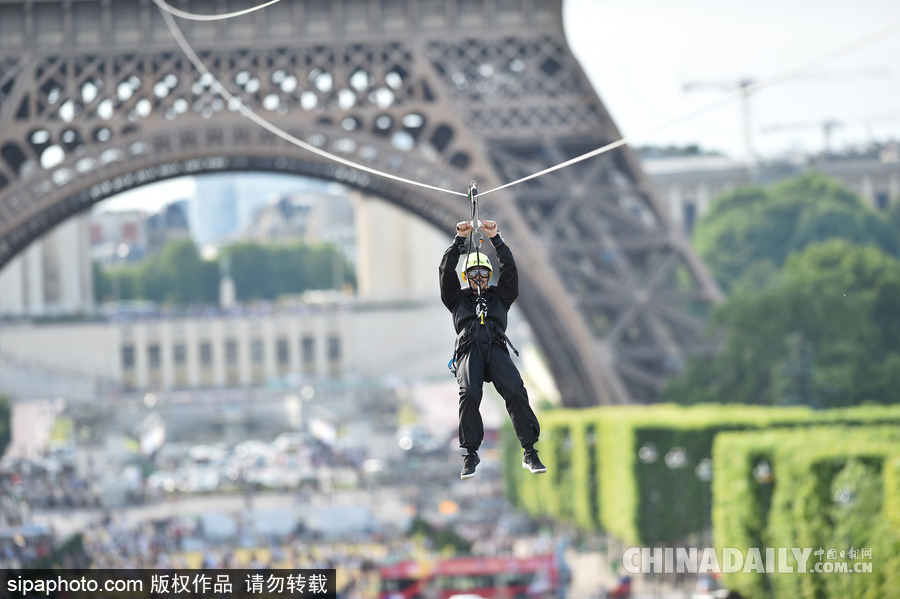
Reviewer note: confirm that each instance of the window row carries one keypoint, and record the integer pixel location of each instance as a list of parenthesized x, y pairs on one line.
[(231, 351)]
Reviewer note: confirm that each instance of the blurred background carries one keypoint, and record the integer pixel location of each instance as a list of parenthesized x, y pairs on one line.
[(247, 368)]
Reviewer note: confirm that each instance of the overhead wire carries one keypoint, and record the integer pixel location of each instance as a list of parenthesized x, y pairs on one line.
[(167, 11), (245, 110)]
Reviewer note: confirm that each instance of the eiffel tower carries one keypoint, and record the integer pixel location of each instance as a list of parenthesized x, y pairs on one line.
[(97, 98)]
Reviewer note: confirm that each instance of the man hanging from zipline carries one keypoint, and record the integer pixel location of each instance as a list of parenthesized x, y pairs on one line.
[(480, 315)]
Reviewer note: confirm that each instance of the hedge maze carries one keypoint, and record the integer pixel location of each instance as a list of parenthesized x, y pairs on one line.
[(757, 477)]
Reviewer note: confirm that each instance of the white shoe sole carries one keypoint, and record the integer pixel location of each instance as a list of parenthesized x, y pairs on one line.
[(466, 476), (533, 470)]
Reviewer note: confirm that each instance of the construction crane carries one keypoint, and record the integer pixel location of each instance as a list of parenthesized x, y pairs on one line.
[(827, 125), (746, 86)]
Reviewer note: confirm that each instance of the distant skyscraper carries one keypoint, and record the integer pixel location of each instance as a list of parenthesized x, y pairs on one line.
[(213, 213), (169, 224), (258, 189), (226, 203)]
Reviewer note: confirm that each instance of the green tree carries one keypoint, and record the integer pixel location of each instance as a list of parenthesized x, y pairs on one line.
[(266, 272), (5, 423), (754, 229), (822, 331), (287, 263), (251, 271), (124, 283), (179, 275), (152, 280), (102, 283), (187, 277), (893, 213)]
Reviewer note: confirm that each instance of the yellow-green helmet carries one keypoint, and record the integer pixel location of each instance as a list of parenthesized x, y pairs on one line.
[(476, 259)]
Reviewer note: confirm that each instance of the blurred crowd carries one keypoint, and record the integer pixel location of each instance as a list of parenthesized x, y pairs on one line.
[(48, 482), (294, 468), (177, 543), (41, 484)]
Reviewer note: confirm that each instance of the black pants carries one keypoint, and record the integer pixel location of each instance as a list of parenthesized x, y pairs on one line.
[(483, 362)]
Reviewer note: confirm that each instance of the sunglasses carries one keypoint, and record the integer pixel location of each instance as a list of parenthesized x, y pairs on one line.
[(478, 272)]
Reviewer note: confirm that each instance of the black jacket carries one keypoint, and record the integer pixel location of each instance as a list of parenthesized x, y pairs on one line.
[(462, 303)]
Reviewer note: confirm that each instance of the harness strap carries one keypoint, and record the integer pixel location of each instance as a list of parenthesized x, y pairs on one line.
[(466, 338), (508, 342)]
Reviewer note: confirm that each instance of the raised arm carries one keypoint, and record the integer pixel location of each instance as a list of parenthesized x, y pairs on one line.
[(508, 281), (450, 287)]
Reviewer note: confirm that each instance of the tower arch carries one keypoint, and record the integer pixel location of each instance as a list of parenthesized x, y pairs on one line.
[(96, 98)]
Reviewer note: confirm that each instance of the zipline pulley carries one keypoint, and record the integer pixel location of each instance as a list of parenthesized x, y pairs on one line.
[(481, 302)]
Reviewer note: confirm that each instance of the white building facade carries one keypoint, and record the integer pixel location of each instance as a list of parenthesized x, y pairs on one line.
[(51, 276), (687, 185), (269, 348)]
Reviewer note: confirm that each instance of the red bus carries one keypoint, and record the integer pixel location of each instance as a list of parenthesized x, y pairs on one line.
[(486, 577)]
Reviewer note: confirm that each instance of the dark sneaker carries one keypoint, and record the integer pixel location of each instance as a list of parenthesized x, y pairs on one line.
[(470, 462), (532, 463)]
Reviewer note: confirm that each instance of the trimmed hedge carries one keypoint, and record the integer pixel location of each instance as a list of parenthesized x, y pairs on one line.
[(596, 480), (555, 450), (892, 489), (569, 490), (5, 423), (830, 488), (741, 508)]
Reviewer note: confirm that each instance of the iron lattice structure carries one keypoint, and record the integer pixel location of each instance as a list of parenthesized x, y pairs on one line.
[(97, 98)]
